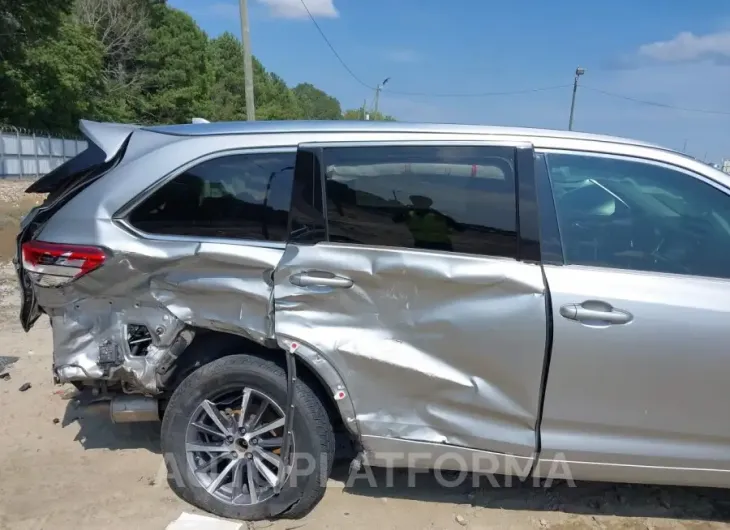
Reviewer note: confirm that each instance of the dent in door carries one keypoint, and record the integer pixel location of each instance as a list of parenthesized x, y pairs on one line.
[(444, 349)]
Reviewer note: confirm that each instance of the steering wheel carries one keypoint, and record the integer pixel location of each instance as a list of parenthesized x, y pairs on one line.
[(672, 264)]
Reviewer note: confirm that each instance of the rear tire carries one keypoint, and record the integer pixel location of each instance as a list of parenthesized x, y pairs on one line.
[(314, 441)]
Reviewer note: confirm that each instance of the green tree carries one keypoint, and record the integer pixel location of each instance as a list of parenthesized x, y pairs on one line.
[(54, 81), (177, 78), (274, 100), (379, 116), (123, 30), (228, 100), (24, 25), (353, 114), (135, 61), (316, 104), (357, 114)]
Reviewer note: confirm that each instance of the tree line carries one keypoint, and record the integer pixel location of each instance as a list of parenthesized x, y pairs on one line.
[(133, 61)]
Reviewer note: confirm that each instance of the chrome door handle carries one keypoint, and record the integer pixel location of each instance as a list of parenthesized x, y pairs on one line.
[(320, 279), (599, 312)]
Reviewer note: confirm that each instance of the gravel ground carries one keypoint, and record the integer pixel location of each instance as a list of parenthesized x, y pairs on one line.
[(14, 203), (67, 468), (12, 191)]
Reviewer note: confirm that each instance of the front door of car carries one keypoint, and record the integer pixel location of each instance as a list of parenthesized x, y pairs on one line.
[(638, 380), (412, 290)]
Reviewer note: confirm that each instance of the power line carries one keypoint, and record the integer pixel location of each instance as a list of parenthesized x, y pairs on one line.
[(342, 61), (497, 93), (420, 94), (654, 103), (478, 94)]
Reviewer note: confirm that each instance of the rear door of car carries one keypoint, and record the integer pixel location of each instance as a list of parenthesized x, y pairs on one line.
[(439, 344)]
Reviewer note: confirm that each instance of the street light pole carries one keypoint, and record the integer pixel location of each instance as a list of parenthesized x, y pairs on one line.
[(247, 62), (578, 72), (377, 95)]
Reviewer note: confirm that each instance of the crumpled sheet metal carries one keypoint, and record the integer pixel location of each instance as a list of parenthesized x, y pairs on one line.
[(225, 287), (436, 349), (80, 328)]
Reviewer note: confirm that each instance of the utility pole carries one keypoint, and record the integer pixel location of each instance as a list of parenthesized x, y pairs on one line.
[(247, 62), (377, 95), (578, 72)]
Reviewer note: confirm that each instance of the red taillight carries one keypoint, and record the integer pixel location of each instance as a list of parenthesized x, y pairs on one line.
[(53, 264)]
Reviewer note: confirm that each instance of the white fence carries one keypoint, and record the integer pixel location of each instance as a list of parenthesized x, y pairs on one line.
[(28, 154)]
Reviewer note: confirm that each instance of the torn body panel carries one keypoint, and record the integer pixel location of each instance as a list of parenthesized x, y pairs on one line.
[(329, 375), (224, 287), (435, 348)]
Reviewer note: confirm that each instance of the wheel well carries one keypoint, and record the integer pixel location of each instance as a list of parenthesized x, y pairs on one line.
[(209, 345)]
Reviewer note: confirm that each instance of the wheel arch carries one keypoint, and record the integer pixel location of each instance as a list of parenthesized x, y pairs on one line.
[(312, 368), (329, 377)]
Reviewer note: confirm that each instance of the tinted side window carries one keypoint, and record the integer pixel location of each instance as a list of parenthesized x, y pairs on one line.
[(236, 197), (635, 215), (459, 199)]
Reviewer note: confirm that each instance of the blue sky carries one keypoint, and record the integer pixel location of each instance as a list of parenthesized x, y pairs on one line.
[(669, 51)]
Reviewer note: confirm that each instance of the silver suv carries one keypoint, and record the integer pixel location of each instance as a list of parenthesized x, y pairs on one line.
[(440, 295)]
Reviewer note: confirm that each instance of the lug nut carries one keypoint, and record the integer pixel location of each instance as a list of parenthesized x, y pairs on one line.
[(234, 454), (249, 456), (242, 430), (255, 441), (229, 439)]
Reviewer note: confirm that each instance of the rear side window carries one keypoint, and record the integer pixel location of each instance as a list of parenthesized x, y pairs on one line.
[(243, 196), (448, 198)]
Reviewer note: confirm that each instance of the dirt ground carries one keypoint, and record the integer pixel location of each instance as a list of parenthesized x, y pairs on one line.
[(64, 467)]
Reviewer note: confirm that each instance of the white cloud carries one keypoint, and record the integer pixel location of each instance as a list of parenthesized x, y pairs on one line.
[(403, 56), (688, 47), (295, 8)]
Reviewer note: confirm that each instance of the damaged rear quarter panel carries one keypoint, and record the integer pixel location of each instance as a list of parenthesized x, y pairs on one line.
[(162, 282), (432, 347), (218, 286)]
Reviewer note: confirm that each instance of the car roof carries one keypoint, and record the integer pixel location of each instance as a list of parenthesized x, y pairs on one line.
[(345, 126)]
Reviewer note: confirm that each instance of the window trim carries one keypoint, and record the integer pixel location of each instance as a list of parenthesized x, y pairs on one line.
[(517, 145), (417, 143), (637, 159), (548, 217), (308, 173), (527, 206), (121, 216)]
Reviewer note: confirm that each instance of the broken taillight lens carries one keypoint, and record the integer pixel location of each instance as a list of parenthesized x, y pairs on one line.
[(54, 264)]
